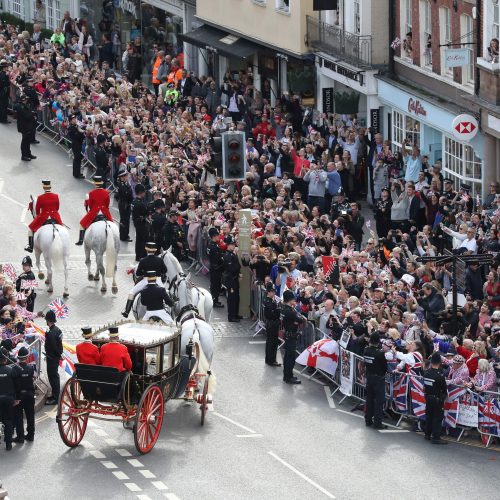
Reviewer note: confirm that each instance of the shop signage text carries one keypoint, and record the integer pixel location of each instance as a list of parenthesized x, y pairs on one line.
[(328, 100), (416, 107), (375, 120), (126, 6), (454, 58), (342, 70)]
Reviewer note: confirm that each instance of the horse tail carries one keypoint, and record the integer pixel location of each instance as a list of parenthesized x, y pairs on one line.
[(57, 252), (110, 252), (204, 367)]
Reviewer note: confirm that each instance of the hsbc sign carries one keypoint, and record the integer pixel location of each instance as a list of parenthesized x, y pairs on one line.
[(465, 127)]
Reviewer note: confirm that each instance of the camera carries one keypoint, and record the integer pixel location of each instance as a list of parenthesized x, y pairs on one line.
[(285, 266)]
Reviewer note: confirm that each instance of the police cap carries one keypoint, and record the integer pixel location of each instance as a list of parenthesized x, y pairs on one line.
[(159, 203), (151, 275), (101, 138), (23, 353), (122, 172), (173, 211), (375, 338), (139, 188), (50, 316), (288, 295), (436, 358), (213, 231), (229, 240), (7, 345), (27, 261), (270, 288)]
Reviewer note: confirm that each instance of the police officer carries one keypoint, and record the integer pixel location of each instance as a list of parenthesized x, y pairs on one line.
[(125, 197), (53, 353), (173, 235), (339, 204), (376, 368), (291, 321), (76, 135), (158, 220), (151, 262), (102, 159), (34, 104), (216, 264), (25, 394), (272, 315), (435, 395), (26, 122), (7, 397), (231, 276), (140, 220), (27, 275), (4, 91), (154, 298)]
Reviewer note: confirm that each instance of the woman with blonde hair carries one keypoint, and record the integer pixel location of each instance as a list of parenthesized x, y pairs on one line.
[(485, 378)]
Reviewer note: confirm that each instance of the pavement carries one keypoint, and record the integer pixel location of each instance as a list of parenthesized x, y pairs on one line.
[(261, 440)]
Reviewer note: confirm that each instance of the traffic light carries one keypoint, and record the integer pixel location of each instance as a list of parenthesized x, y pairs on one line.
[(216, 143), (234, 162)]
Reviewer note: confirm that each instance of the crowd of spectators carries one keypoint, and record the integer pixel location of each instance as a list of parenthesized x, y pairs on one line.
[(308, 176)]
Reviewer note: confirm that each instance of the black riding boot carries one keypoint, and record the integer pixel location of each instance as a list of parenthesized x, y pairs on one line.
[(29, 246), (128, 307), (82, 234)]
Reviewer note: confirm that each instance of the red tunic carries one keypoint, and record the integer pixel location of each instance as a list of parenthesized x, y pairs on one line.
[(116, 355), (98, 202), (88, 353), (46, 206)]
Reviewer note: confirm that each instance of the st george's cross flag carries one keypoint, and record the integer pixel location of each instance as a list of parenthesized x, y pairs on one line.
[(322, 355), (60, 309)]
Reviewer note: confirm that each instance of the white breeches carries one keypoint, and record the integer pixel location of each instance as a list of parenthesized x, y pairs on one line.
[(161, 313)]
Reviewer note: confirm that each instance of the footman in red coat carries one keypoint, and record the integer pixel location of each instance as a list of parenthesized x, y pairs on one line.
[(115, 354), (86, 352)]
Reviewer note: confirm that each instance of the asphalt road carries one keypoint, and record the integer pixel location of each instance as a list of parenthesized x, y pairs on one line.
[(263, 439)]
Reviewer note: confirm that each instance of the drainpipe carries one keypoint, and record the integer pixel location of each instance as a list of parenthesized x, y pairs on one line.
[(392, 35), (478, 46)]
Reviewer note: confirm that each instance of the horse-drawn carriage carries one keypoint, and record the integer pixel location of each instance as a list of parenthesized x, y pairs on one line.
[(160, 371)]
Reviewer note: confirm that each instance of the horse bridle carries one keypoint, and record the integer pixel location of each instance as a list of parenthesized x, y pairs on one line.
[(187, 307)]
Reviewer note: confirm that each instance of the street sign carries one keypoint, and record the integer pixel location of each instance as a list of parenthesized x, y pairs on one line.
[(465, 127)]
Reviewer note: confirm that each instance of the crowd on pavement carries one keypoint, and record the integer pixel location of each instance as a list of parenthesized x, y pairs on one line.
[(307, 178)]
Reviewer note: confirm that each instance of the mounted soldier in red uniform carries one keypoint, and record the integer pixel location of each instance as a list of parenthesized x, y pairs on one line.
[(96, 203), (44, 208)]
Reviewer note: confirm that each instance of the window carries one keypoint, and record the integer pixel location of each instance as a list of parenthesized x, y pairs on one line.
[(357, 17), (496, 20), (462, 165), (407, 30), (53, 10), (466, 34), (426, 33), (16, 7), (404, 127), (283, 5), (445, 36)]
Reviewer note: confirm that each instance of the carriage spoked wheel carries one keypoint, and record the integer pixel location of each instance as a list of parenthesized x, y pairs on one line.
[(149, 419), (204, 400), (72, 424)]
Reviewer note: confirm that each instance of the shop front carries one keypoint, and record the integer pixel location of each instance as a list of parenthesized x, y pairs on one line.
[(413, 117)]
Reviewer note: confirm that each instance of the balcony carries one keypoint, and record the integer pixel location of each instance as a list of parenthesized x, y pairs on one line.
[(349, 47)]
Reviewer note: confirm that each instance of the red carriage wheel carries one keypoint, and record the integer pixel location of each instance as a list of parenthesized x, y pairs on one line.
[(204, 400), (72, 425), (148, 419)]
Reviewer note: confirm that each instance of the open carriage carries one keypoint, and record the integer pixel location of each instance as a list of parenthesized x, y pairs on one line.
[(159, 372)]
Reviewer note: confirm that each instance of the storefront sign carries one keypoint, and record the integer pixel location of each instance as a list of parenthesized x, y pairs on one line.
[(342, 70), (416, 107), (328, 100), (375, 120), (465, 127), (126, 6), (454, 58)]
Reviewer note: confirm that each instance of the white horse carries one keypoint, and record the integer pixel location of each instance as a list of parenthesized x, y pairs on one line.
[(201, 297), (102, 237), (52, 240)]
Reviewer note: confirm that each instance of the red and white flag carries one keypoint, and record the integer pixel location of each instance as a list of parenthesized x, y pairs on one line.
[(10, 271), (322, 355)]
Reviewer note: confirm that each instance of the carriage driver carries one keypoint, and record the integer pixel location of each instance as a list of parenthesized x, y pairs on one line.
[(45, 207), (154, 298), (97, 202), (115, 354), (86, 352), (151, 262)]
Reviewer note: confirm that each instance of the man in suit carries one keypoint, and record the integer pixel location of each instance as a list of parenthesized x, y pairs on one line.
[(185, 84), (413, 205)]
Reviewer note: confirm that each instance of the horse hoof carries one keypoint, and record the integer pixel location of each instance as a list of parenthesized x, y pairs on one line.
[(66, 295), (41, 276), (114, 290), (91, 277), (46, 282), (96, 277), (50, 290), (104, 290)]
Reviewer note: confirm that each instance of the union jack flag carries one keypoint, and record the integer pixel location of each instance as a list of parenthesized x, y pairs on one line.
[(400, 391), (60, 309), (489, 415), (10, 271), (451, 405), (67, 365), (26, 284), (396, 43), (417, 396)]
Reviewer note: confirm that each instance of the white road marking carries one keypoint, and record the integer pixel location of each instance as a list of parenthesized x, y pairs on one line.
[(244, 427), (248, 435), (109, 465), (329, 398), (132, 487), (23, 215), (120, 475), (256, 342), (351, 413), (311, 379), (159, 485), (97, 454), (300, 474), (171, 496), (22, 205), (2, 183), (90, 423), (111, 442), (123, 453), (392, 430), (147, 474), (100, 432), (86, 443), (143, 497), (134, 462)]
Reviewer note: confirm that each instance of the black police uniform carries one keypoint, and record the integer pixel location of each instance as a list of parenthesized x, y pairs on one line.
[(338, 207), (435, 395), (158, 221), (76, 136), (26, 122), (8, 374), (102, 163), (4, 96), (376, 368), (34, 103), (53, 352), (139, 217), (272, 315), (124, 196), (155, 297), (151, 263), (231, 276), (30, 299), (171, 235), (25, 394), (215, 255), (291, 321)]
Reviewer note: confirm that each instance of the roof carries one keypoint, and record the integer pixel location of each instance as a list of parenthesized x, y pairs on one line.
[(140, 333)]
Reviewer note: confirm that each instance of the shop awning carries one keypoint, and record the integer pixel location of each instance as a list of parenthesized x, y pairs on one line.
[(225, 43)]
